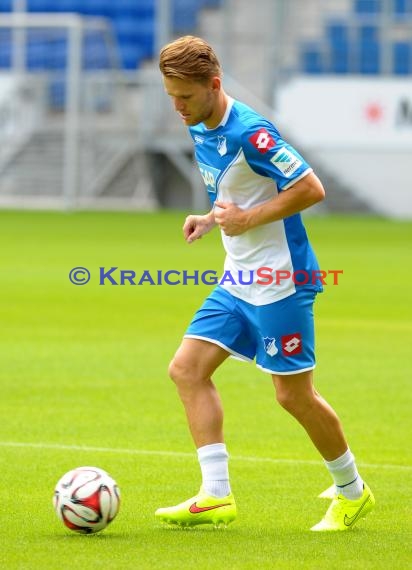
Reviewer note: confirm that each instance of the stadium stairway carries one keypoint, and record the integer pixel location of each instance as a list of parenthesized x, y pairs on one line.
[(113, 172), (339, 197), (127, 175), (118, 162)]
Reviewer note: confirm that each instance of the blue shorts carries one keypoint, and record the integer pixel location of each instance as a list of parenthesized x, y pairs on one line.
[(279, 335)]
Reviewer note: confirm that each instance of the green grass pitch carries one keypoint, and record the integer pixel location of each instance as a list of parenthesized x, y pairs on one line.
[(83, 377)]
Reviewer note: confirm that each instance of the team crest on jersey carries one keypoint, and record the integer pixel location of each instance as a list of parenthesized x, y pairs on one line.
[(262, 141), (221, 145), (270, 346)]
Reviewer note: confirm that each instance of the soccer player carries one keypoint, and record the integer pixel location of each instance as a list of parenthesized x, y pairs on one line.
[(258, 184)]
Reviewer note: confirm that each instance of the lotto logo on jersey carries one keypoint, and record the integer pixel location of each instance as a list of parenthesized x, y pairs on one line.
[(262, 141), (291, 344), (286, 161)]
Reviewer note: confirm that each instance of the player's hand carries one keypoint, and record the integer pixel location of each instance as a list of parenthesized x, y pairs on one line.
[(196, 226), (231, 219)]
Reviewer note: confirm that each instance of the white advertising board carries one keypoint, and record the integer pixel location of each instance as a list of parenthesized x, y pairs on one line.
[(348, 111)]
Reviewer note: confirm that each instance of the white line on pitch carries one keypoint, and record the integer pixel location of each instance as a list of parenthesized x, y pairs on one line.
[(184, 454)]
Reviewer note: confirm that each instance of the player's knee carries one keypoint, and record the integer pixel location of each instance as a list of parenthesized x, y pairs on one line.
[(286, 399), (185, 374), (296, 403), (291, 401), (179, 372), (173, 370)]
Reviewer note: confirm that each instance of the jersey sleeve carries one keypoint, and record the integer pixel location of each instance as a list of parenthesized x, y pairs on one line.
[(269, 155)]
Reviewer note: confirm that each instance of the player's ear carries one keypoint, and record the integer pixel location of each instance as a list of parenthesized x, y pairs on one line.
[(216, 83)]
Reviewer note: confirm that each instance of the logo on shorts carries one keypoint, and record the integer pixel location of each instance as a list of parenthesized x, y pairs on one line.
[(291, 344), (262, 141), (270, 346)]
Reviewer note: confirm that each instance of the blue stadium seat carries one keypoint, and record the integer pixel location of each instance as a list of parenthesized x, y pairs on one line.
[(45, 56), (36, 57), (96, 7), (337, 33), (57, 94), (5, 36), (185, 15), (369, 48), (141, 8), (211, 3), (133, 23), (5, 55), (146, 37), (136, 31), (402, 58), (40, 6), (125, 28), (340, 59), (369, 58), (131, 55), (367, 34), (68, 6), (312, 59), (6, 5), (403, 8), (368, 6), (58, 55), (95, 54)]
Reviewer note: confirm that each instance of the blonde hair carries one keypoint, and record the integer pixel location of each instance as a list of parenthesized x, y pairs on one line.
[(189, 58)]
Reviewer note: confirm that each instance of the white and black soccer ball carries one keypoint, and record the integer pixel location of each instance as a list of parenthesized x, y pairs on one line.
[(86, 499)]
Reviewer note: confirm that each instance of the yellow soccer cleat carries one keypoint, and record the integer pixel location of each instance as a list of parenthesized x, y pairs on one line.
[(344, 513), (201, 509)]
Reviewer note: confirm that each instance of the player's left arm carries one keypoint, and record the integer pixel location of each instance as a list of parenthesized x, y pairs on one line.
[(304, 193)]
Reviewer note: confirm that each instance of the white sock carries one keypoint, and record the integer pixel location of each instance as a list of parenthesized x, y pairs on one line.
[(213, 461), (345, 476)]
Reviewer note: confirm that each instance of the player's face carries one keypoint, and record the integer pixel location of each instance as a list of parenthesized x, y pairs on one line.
[(195, 102)]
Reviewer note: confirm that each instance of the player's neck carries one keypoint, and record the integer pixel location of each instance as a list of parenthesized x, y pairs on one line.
[(218, 112)]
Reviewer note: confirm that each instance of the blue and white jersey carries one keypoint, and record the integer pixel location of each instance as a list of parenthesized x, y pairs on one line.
[(245, 161)]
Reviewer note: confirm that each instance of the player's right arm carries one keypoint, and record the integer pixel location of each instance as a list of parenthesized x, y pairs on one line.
[(196, 226)]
